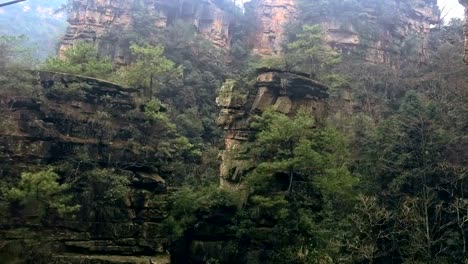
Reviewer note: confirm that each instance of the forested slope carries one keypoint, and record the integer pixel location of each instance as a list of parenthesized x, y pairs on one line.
[(345, 135)]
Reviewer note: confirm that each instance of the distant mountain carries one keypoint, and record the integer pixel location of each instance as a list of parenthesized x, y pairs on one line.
[(38, 20)]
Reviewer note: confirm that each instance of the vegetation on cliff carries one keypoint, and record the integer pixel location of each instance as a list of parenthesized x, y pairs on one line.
[(134, 172)]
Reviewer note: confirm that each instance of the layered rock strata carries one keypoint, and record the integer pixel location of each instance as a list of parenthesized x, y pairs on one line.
[(104, 122), (240, 102), (271, 17), (407, 21), (90, 20), (392, 29)]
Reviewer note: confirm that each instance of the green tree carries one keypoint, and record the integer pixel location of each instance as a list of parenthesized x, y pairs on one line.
[(43, 191), (81, 59), (300, 175), (294, 147), (415, 177), (103, 194), (188, 203), (309, 52), (150, 70)]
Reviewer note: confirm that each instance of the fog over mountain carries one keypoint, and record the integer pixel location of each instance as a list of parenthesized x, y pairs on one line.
[(37, 20), (451, 9)]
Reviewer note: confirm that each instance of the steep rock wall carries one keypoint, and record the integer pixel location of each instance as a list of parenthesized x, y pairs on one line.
[(105, 123), (271, 16), (392, 28), (90, 19), (240, 102)]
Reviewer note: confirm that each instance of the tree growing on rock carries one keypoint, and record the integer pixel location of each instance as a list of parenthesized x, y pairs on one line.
[(150, 71), (81, 59), (309, 52), (42, 193)]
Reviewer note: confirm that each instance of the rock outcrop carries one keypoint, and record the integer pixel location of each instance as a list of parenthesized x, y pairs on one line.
[(407, 20), (465, 4), (283, 91), (271, 17), (104, 122), (90, 20)]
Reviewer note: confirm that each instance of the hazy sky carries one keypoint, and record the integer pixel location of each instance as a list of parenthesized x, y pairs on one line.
[(452, 8)]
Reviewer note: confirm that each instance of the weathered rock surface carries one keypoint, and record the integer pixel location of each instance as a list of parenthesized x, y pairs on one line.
[(283, 91), (90, 20), (105, 123), (406, 22), (270, 16)]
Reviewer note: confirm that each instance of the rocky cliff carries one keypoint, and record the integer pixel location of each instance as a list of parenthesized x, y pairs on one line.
[(390, 25), (105, 123), (90, 20), (240, 102), (270, 18), (389, 30)]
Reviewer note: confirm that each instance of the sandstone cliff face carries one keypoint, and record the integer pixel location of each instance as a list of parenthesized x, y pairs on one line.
[(270, 18), (104, 123), (405, 23), (465, 4), (240, 102), (91, 19), (272, 15)]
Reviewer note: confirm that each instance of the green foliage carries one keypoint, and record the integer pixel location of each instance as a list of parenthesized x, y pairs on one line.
[(310, 53), (190, 124), (155, 112), (300, 185), (68, 91), (81, 59), (103, 194), (20, 251), (306, 52), (188, 203), (295, 148), (270, 62), (150, 70), (43, 191), (408, 148), (204, 70), (408, 143), (15, 81), (416, 186)]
